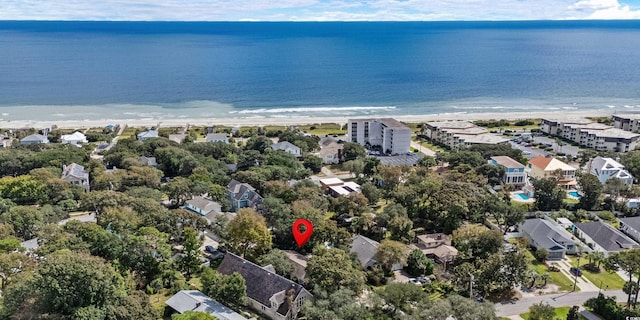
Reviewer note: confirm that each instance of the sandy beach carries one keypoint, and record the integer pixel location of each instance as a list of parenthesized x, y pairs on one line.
[(268, 121)]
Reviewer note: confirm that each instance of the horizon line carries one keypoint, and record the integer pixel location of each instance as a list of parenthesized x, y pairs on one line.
[(324, 21)]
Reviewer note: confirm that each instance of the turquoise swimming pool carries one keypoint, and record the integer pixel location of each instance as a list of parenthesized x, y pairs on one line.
[(522, 196), (575, 194)]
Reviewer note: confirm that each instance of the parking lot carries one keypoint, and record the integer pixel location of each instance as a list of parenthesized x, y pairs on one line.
[(531, 152), (409, 159)]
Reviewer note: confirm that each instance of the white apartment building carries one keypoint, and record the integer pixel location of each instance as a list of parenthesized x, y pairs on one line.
[(389, 134), (457, 134), (591, 134), (627, 122)]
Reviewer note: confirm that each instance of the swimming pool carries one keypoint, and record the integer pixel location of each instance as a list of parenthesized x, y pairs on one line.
[(522, 196), (575, 194)]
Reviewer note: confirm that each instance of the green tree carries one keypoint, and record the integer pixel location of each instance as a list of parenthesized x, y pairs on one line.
[(178, 190), (356, 167), (402, 296), (574, 313), (541, 311), (12, 264), (371, 192), (337, 305), (228, 288), (352, 151), (333, 269), (477, 242), (591, 189), (542, 254), (248, 233), (401, 229), (22, 189), (418, 264), (193, 315), (26, 221), (391, 252), (190, 262), (279, 260), (313, 163), (548, 194)]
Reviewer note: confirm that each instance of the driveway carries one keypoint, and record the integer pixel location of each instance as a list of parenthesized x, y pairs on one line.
[(583, 283), (425, 150), (529, 152), (508, 308)]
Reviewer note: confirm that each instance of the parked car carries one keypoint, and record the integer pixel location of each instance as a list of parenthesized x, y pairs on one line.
[(415, 281), (423, 279), (576, 271), (216, 255), (210, 249)]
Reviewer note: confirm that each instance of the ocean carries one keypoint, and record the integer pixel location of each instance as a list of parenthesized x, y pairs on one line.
[(159, 70)]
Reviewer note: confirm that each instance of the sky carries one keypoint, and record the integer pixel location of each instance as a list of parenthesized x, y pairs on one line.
[(317, 10)]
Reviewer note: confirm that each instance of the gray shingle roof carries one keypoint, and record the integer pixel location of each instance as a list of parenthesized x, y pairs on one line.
[(194, 300), (633, 222), (205, 205), (365, 249), (34, 138), (606, 236), (216, 136), (546, 233), (261, 284), (74, 170), (238, 189), (148, 134), (284, 145)]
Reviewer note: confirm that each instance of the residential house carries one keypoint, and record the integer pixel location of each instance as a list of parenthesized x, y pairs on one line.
[(76, 175), (272, 295), (336, 187), (34, 139), (514, 171), (387, 134), (242, 195), (194, 300), (607, 168), (548, 235), (365, 249), (75, 138), (437, 246), (565, 223), (149, 161), (603, 237), (149, 134), (546, 167), (217, 137), (331, 153), (5, 141), (287, 147), (299, 263), (178, 137), (202, 206), (631, 226)]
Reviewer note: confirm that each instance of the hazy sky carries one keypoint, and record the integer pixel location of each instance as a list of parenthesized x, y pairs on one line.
[(317, 10)]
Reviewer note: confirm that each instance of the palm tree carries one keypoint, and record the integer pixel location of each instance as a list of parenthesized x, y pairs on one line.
[(598, 257), (545, 277)]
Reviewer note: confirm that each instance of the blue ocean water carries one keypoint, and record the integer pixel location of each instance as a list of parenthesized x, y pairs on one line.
[(180, 69)]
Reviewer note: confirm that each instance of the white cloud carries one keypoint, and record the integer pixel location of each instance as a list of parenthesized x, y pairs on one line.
[(314, 10)]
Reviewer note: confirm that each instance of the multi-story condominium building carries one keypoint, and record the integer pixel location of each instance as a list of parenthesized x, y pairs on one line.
[(547, 167), (391, 136), (458, 134), (627, 122), (591, 134), (514, 171)]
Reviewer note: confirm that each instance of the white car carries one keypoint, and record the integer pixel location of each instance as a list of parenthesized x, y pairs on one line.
[(415, 281)]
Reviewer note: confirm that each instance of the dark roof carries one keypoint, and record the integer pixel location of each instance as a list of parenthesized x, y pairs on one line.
[(606, 236), (546, 233), (364, 248), (261, 284), (633, 222)]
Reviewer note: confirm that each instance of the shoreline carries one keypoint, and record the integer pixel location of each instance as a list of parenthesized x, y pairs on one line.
[(277, 121)]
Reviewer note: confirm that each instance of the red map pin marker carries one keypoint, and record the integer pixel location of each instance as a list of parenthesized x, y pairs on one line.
[(302, 237)]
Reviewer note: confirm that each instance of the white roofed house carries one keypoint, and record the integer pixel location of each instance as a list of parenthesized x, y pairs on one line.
[(34, 139), (194, 300), (75, 138), (217, 137), (287, 147), (607, 168), (336, 187), (76, 175), (202, 206), (149, 134)]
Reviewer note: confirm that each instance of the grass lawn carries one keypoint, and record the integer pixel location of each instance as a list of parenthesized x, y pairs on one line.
[(571, 201), (561, 313), (324, 129), (613, 280), (429, 145), (557, 278)]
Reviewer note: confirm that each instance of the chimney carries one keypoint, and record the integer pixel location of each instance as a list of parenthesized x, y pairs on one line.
[(198, 304), (439, 236)]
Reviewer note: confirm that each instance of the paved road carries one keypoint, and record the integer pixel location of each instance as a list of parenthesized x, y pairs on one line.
[(423, 149), (507, 308)]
